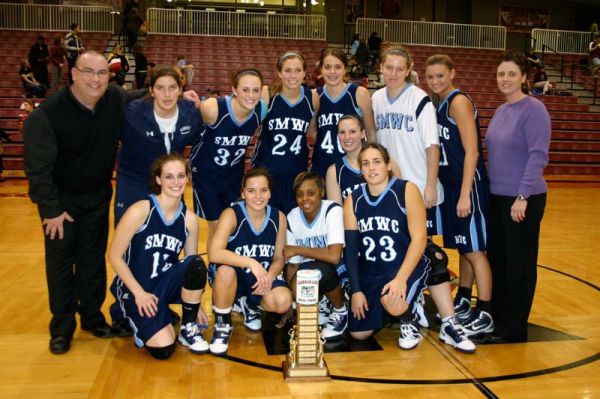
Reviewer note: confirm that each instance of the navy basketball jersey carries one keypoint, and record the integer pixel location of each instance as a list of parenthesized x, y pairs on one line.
[(282, 147), (224, 144), (347, 177), (452, 153), (156, 245), (327, 146), (383, 228), (256, 244)]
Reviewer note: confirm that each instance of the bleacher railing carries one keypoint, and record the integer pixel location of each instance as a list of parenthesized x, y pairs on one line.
[(55, 18), (240, 24), (563, 41), (434, 33)]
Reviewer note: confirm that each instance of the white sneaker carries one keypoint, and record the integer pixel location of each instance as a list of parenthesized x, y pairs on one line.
[(237, 307), (252, 315), (324, 310), (420, 312), (478, 324), (409, 336), (191, 337), (335, 327), (220, 339), (452, 333)]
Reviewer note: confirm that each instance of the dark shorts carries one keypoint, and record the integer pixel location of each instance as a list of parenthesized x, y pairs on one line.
[(128, 192), (465, 234), (167, 289), (434, 221), (371, 287), (213, 193)]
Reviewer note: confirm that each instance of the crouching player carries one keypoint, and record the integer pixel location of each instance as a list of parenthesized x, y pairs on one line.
[(144, 254), (384, 221), (247, 247)]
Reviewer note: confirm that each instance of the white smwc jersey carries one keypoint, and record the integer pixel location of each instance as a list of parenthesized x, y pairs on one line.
[(407, 126), (327, 228)]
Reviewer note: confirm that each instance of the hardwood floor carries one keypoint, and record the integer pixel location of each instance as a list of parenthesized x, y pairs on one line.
[(561, 361)]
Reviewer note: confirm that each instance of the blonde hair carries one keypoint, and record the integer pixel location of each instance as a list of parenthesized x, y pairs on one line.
[(402, 52)]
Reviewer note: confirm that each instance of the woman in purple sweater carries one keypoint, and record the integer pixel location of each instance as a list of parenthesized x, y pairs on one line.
[(518, 139)]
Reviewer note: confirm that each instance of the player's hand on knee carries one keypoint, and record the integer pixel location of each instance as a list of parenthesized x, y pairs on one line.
[(359, 305), (261, 275), (147, 304), (463, 207), (395, 291), (54, 226)]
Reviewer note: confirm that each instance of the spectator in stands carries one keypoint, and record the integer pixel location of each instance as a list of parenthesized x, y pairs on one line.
[(133, 22), (70, 149), (58, 58), (129, 5), (374, 43), (25, 110), (39, 59), (186, 68), (74, 47), (595, 55), (355, 43), (532, 59), (32, 87), (362, 57), (149, 69), (118, 65), (540, 80), (4, 137), (518, 139), (141, 65)]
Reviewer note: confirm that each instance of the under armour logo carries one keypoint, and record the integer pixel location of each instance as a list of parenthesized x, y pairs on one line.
[(149, 133)]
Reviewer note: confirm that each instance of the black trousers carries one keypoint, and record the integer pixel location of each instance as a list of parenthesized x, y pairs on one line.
[(75, 265), (513, 251)]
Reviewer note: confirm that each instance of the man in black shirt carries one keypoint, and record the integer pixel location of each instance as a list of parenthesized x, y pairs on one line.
[(70, 149)]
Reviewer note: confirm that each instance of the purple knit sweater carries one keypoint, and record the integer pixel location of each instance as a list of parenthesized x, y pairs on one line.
[(518, 139)]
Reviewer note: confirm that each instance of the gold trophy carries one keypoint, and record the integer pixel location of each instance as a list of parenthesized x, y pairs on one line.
[(305, 360)]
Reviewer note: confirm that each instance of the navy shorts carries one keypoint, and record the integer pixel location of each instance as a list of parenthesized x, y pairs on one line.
[(213, 193), (282, 196), (434, 220), (128, 192), (371, 287), (465, 234), (167, 289)]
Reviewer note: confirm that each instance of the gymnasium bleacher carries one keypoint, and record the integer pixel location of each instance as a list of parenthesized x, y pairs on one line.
[(575, 146)]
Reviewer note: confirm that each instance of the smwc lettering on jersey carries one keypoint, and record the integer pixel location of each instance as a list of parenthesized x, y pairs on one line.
[(396, 121)]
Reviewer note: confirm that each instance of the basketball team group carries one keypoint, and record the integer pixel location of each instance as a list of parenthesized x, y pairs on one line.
[(386, 173)]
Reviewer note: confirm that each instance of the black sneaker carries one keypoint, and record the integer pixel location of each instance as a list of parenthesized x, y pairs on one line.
[(122, 328)]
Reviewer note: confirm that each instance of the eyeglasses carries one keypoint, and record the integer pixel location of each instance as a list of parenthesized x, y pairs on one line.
[(90, 73)]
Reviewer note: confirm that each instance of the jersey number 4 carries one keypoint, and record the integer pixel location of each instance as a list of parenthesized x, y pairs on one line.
[(327, 144), (281, 141)]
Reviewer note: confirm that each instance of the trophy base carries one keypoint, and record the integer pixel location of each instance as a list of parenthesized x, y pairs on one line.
[(304, 372)]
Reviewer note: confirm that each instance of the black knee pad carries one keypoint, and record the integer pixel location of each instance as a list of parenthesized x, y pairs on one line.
[(329, 277), (162, 353), (195, 275), (438, 260)]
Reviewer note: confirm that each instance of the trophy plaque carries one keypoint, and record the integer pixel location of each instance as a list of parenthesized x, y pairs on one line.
[(305, 360)]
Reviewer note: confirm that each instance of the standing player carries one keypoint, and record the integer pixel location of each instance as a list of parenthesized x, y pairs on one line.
[(144, 254), (385, 222), (466, 192), (282, 147), (247, 247), (337, 98), (153, 126), (315, 239), (407, 127), (218, 160)]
